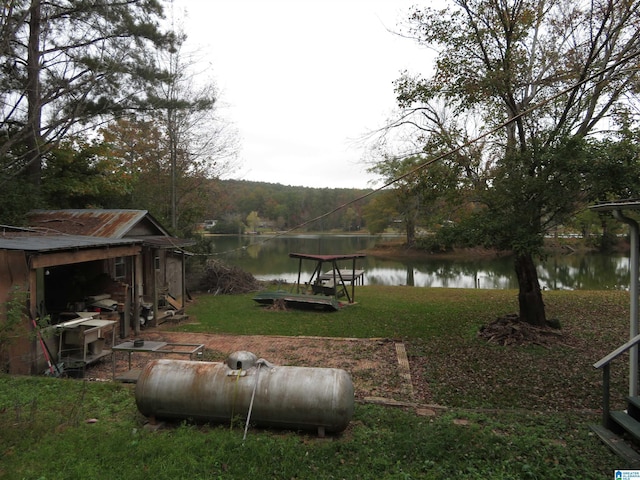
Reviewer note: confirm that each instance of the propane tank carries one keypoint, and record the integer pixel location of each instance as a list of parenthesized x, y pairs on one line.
[(283, 396)]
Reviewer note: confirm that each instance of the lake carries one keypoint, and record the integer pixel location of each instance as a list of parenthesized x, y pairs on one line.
[(267, 258)]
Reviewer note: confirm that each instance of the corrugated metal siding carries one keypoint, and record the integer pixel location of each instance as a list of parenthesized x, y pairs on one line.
[(42, 243)]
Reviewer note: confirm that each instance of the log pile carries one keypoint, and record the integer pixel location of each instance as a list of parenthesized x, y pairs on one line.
[(222, 279), (509, 330)]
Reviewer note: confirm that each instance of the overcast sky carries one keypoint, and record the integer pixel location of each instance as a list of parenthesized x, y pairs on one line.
[(303, 80)]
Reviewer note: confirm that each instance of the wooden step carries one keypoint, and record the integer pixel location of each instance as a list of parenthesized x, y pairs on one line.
[(174, 318), (628, 423), (173, 302), (617, 444), (633, 407)]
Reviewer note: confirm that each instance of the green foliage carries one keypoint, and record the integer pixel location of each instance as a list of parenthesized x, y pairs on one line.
[(253, 220), (19, 196), (530, 196), (443, 240), (520, 208), (380, 212), (351, 220), (420, 197), (14, 314), (229, 224), (15, 307), (82, 175), (614, 170)]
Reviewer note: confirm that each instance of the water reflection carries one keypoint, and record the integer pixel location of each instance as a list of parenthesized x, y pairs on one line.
[(268, 259), (585, 272)]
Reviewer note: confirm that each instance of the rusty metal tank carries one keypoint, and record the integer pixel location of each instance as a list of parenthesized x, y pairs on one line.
[(274, 396)]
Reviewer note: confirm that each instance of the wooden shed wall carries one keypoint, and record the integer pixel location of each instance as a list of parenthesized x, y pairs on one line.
[(14, 277)]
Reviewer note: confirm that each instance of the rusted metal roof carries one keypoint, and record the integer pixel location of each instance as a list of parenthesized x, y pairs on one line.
[(106, 223), (39, 242), (111, 223)]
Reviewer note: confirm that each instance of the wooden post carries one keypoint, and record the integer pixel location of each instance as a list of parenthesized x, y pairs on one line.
[(353, 280), (299, 272), (606, 380), (156, 271), (184, 282)]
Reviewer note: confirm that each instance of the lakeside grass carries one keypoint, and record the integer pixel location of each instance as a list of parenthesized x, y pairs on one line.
[(379, 311), (511, 412)]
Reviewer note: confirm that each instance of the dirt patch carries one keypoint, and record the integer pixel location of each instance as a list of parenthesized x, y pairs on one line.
[(372, 363)]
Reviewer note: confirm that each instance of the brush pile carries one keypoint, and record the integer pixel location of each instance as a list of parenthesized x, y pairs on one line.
[(222, 279), (510, 330)]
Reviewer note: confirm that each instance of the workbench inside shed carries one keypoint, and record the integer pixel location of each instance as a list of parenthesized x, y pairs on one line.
[(82, 340)]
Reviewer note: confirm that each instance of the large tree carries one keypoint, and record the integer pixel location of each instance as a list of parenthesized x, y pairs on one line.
[(140, 151), (541, 76), (198, 140), (71, 64), (407, 192)]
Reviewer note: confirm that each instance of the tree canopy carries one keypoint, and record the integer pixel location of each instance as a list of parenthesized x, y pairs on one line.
[(67, 66), (541, 83), (100, 107)]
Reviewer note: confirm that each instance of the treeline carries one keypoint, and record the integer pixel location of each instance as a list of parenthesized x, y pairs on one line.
[(241, 204)]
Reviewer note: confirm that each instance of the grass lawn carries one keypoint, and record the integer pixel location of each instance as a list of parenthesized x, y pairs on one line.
[(510, 412)]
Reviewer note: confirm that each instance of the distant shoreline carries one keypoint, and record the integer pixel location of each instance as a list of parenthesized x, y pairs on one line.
[(391, 246), (398, 249)]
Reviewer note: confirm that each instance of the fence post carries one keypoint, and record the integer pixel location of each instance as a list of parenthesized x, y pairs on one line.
[(606, 378)]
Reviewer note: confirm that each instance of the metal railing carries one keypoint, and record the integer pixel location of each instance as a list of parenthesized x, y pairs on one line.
[(605, 364)]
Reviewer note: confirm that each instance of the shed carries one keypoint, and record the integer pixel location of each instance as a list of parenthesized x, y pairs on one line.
[(27, 260), (157, 278), (69, 262)]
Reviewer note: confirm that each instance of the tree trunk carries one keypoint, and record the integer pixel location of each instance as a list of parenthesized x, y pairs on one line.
[(529, 296), (34, 100), (410, 228)]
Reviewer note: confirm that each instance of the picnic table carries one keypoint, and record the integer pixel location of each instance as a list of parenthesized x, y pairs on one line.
[(334, 282)]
